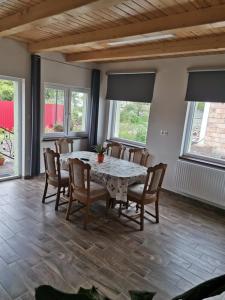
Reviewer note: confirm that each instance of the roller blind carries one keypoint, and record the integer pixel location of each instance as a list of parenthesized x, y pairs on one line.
[(131, 87), (206, 86)]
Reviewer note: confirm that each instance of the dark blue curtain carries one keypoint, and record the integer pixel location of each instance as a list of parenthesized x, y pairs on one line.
[(95, 88), (35, 114)]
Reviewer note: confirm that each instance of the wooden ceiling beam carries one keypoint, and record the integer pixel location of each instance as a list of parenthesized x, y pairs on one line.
[(205, 44), (38, 14), (198, 17)]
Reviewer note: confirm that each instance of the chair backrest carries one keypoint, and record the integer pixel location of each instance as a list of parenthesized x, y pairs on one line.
[(154, 179), (79, 173), (62, 145), (136, 155), (146, 159), (115, 149), (52, 163)]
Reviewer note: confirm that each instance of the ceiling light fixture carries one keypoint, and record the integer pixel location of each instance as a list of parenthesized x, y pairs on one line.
[(142, 39)]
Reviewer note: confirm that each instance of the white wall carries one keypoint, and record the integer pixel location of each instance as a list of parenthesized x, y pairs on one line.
[(15, 62), (168, 108), (54, 69)]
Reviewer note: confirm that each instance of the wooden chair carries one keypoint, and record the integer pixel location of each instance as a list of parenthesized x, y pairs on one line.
[(54, 176), (143, 194), (62, 145), (83, 190), (136, 155), (146, 159), (115, 149), (139, 156)]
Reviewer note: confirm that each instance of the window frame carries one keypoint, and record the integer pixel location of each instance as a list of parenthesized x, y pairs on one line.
[(112, 124), (187, 136), (67, 111), (79, 133)]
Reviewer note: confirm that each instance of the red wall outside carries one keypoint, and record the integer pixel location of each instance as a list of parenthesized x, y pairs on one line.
[(7, 114)]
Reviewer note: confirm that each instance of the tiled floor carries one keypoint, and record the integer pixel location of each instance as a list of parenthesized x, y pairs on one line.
[(38, 246)]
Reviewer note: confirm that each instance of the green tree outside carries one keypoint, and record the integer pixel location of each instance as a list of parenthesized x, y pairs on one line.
[(6, 90), (133, 121), (78, 108)]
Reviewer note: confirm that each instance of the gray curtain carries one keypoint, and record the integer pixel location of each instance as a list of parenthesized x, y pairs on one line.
[(95, 89), (137, 87), (206, 86), (35, 114)]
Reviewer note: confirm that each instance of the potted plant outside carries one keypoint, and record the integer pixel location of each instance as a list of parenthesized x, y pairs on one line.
[(100, 153), (2, 160), (58, 128)]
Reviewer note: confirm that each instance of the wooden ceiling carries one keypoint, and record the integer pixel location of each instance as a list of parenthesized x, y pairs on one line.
[(84, 30)]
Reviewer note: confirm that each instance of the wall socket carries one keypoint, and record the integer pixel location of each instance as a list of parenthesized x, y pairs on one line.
[(163, 132)]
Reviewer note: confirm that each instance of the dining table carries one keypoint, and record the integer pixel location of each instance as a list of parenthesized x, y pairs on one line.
[(116, 174)]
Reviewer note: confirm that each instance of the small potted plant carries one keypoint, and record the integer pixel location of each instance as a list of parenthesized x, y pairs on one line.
[(100, 151), (2, 160), (58, 128)]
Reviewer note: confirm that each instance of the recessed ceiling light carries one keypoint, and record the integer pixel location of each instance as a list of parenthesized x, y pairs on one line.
[(142, 39)]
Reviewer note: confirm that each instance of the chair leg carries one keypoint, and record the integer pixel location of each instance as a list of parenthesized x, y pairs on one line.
[(157, 211), (69, 207), (86, 217), (45, 191), (142, 217), (107, 206), (113, 202), (57, 198), (68, 191), (127, 204), (137, 207), (120, 209)]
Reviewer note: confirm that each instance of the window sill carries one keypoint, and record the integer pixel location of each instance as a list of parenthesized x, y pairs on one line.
[(127, 143), (55, 138), (203, 162)]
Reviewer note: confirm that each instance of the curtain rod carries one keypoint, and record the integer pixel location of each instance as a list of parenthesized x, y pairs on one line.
[(65, 63), (129, 72)]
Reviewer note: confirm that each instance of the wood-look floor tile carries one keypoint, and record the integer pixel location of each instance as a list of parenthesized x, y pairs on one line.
[(12, 284), (26, 296), (38, 246), (52, 277), (4, 295)]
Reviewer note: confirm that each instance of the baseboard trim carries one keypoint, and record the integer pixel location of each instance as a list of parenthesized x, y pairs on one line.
[(197, 201), (27, 177)]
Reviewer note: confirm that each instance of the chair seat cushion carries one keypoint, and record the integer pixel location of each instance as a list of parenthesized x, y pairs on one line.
[(135, 192), (64, 179), (97, 191)]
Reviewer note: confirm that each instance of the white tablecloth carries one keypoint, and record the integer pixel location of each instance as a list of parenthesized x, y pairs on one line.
[(115, 174)]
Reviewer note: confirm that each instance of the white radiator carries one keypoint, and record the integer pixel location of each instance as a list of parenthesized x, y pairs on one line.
[(201, 182)]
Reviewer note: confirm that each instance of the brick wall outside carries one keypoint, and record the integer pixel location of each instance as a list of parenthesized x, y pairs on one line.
[(215, 132)]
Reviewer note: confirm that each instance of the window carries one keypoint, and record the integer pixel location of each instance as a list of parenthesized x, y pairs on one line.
[(130, 121), (54, 110), (65, 111), (78, 102), (205, 132)]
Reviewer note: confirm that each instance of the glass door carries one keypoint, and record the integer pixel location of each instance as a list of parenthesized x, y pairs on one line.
[(10, 127)]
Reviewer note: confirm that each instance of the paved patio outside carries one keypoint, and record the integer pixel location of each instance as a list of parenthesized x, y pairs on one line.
[(7, 169)]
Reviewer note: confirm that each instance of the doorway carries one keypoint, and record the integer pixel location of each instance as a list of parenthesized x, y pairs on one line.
[(10, 127)]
